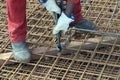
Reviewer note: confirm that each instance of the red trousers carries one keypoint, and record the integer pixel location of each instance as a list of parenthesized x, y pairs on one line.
[(16, 10), (17, 18)]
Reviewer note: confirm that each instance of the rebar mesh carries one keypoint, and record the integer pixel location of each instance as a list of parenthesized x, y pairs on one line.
[(75, 63)]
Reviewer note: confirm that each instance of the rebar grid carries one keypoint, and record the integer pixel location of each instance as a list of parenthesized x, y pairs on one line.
[(75, 63)]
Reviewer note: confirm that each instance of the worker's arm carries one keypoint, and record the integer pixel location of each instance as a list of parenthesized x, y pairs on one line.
[(50, 5), (66, 18)]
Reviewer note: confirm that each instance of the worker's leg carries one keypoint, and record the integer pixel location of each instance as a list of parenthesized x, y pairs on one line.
[(81, 22), (16, 20), (17, 29)]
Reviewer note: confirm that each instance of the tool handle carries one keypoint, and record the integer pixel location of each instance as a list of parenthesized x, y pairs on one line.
[(58, 35)]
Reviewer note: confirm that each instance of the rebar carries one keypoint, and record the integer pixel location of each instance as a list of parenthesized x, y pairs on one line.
[(101, 62)]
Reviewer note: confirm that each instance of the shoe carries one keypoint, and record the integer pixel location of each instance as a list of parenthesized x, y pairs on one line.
[(21, 52), (86, 24)]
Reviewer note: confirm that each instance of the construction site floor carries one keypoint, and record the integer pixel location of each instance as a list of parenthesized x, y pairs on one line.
[(96, 57)]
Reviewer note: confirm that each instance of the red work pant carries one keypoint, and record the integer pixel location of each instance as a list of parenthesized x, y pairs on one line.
[(16, 10)]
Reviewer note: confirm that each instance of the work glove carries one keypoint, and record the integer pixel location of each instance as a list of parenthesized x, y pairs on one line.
[(51, 6), (62, 24)]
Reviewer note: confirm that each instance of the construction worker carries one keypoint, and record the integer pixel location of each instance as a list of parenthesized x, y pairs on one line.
[(70, 16), (17, 27), (17, 23)]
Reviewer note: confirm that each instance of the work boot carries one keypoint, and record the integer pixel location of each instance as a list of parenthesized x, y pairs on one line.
[(21, 52), (86, 24)]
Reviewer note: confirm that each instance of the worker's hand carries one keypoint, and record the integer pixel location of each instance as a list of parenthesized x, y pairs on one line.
[(62, 24), (51, 6)]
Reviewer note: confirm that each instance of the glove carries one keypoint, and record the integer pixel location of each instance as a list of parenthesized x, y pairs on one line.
[(62, 24), (51, 6)]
